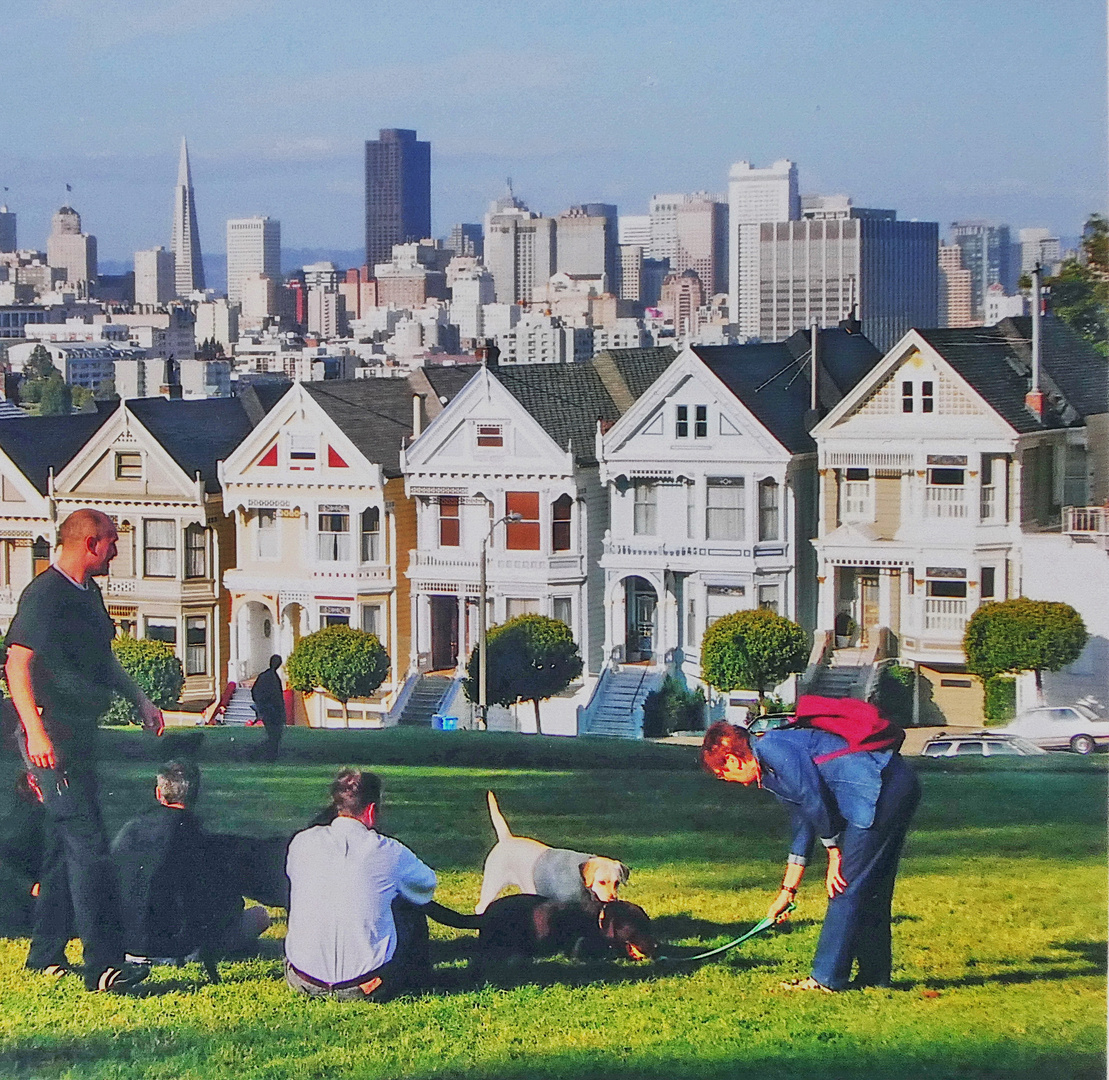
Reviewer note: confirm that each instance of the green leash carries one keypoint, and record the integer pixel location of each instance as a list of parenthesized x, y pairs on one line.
[(758, 928)]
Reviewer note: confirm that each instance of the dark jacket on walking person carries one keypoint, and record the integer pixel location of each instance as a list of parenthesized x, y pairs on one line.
[(268, 696)]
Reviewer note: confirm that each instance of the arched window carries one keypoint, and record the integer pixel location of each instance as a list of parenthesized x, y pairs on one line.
[(769, 528), (561, 522), (371, 534)]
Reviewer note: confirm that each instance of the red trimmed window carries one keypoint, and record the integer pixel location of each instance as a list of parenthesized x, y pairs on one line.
[(522, 535), (450, 532), (490, 435)]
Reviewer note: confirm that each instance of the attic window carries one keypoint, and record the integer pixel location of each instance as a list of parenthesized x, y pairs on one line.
[(302, 450), (701, 423), (490, 435), (128, 465)]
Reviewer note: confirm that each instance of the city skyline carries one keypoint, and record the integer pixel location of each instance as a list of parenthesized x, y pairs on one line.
[(575, 110)]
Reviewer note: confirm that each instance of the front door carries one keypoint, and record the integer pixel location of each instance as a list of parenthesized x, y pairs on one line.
[(868, 602), (641, 605), (444, 632)]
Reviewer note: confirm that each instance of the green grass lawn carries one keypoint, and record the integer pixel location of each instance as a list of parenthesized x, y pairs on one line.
[(999, 937)]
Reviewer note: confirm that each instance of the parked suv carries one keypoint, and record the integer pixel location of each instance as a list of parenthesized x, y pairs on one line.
[(1062, 727), (979, 744)]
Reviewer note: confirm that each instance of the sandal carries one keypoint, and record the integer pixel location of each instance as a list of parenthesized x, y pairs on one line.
[(808, 983), (121, 980), (55, 971)]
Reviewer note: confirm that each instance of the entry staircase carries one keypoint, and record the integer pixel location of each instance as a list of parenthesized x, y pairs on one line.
[(616, 708), (839, 672), (240, 709), (424, 700)]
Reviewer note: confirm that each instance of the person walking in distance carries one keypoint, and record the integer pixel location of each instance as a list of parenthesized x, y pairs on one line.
[(269, 704), (62, 674)]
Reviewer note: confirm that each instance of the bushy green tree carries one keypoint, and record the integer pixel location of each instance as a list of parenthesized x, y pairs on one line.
[(531, 657), (1023, 635), (56, 398), (752, 650), (40, 364), (1080, 291), (340, 660), (155, 667)]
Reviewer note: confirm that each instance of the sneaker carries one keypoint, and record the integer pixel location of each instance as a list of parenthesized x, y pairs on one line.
[(120, 980), (55, 971)]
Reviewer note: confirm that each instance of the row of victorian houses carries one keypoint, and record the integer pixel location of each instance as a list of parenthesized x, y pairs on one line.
[(877, 500)]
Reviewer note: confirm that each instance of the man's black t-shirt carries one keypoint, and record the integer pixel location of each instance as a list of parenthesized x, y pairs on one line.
[(74, 673)]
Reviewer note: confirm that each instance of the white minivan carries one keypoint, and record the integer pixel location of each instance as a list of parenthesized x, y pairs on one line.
[(1062, 727)]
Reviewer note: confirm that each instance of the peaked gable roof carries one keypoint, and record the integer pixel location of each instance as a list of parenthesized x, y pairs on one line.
[(40, 444), (196, 434), (567, 400), (376, 414), (772, 379), (997, 362)]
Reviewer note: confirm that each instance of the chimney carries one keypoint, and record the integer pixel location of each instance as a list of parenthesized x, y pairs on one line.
[(417, 415), (1034, 399)]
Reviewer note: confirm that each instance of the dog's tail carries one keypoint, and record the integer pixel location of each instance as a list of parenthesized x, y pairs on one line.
[(500, 826), (448, 917)]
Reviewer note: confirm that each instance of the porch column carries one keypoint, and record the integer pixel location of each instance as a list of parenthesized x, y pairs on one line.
[(461, 665)]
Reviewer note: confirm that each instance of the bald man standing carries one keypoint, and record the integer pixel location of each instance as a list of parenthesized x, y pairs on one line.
[(62, 674)]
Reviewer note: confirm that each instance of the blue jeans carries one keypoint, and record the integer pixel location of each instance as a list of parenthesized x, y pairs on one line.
[(77, 890), (857, 924)]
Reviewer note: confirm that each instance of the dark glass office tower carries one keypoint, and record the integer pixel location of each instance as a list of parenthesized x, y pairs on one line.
[(398, 192)]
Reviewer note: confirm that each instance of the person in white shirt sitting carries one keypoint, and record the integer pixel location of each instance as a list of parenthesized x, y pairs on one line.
[(356, 925)]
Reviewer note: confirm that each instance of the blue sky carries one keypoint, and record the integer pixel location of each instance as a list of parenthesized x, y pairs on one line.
[(942, 109)]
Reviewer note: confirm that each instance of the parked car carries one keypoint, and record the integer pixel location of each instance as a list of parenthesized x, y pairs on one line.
[(980, 744), (1062, 727)]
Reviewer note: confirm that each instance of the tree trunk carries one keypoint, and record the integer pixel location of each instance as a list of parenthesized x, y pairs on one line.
[(538, 726), (762, 702), (1039, 685), (346, 715)]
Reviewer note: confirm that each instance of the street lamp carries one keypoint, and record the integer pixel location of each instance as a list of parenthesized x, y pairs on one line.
[(483, 663)]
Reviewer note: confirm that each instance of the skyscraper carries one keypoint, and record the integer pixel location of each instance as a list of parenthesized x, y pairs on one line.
[(154, 277), (702, 242), (954, 307), (987, 255), (814, 271), (755, 196), (185, 242), (253, 247), (7, 230), (398, 192), (69, 249)]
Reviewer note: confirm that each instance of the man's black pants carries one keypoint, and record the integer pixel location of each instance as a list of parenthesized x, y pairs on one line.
[(77, 888)]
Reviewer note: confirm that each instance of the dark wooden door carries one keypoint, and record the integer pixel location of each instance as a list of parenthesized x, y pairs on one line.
[(444, 632)]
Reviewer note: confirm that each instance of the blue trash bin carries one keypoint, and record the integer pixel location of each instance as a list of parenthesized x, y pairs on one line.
[(450, 723), (437, 722)]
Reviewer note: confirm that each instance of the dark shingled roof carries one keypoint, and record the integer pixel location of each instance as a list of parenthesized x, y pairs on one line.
[(772, 379), (196, 434), (41, 443), (997, 362), (447, 380), (375, 414), (567, 400)]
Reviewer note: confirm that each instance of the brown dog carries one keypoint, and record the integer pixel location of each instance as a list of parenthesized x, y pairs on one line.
[(555, 873), (531, 926)]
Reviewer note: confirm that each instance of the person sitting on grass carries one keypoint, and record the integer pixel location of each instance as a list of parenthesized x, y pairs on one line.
[(859, 805), (178, 900), (356, 928)]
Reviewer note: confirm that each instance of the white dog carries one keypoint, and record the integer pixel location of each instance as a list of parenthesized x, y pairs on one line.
[(535, 868)]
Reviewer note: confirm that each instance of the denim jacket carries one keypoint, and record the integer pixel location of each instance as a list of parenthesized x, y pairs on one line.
[(822, 799)]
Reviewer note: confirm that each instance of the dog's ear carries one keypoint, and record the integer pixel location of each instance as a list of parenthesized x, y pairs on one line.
[(625, 873), (588, 870)]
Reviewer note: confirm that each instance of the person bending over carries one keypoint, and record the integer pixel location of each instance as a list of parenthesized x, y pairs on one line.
[(859, 805), (178, 900), (356, 928), (60, 660)]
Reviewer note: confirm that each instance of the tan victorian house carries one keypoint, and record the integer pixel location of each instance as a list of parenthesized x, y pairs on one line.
[(324, 526)]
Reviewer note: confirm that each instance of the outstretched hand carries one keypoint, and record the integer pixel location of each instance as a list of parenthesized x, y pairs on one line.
[(152, 718), (779, 909)]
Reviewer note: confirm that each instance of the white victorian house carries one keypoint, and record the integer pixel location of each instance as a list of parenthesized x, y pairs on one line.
[(519, 441), (935, 473), (711, 480), (324, 527)]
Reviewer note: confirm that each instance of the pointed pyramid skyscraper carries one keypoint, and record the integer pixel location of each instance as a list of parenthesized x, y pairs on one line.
[(185, 243)]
